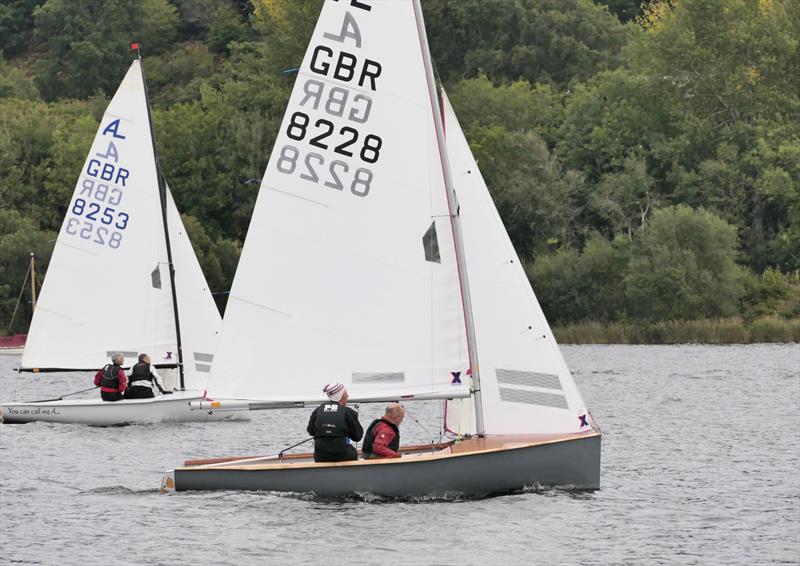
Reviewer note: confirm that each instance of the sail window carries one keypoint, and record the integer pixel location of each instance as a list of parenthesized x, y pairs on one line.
[(554, 400), (155, 276), (528, 378), (125, 354), (431, 245), (202, 362), (379, 377)]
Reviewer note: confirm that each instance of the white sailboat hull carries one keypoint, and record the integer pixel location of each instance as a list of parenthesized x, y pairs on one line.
[(475, 467), (165, 408)]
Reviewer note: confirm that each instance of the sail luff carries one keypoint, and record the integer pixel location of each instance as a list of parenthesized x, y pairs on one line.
[(162, 191), (454, 218)]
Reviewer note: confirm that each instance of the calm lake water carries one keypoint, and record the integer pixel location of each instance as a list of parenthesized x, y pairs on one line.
[(701, 465)]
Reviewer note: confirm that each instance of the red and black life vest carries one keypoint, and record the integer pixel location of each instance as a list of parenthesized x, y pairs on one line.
[(369, 437), (110, 379)]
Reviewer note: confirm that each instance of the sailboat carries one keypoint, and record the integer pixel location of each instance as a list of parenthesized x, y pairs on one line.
[(123, 278), (390, 271)]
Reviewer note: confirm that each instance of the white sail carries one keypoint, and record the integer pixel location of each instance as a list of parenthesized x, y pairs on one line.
[(199, 316), (525, 382), (348, 271), (107, 287)]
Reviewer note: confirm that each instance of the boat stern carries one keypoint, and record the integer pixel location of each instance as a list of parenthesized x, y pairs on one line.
[(168, 482)]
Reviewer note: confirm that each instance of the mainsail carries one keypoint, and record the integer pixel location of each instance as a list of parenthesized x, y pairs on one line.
[(107, 287), (525, 381), (348, 272)]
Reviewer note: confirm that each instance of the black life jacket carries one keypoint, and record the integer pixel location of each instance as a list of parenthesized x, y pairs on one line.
[(140, 372), (330, 421), (110, 377), (369, 437)]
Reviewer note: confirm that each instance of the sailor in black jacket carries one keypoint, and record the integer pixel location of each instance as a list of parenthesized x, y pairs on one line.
[(141, 379), (334, 426)]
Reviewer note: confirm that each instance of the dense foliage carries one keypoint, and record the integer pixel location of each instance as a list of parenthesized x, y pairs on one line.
[(645, 158)]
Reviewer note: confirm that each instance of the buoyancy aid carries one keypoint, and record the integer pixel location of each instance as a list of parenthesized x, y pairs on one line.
[(369, 437), (140, 372), (330, 422), (110, 377)]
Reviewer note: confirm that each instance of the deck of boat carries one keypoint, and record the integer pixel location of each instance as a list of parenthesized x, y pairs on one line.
[(415, 452)]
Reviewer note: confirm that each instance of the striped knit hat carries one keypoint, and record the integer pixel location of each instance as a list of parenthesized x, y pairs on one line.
[(334, 391)]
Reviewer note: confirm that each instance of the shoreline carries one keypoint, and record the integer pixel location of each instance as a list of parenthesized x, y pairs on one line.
[(734, 330)]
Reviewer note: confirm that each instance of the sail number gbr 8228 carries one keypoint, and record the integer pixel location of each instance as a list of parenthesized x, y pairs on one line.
[(334, 118)]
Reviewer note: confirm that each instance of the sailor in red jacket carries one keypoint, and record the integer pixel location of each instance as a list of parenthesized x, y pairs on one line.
[(111, 379), (382, 439)]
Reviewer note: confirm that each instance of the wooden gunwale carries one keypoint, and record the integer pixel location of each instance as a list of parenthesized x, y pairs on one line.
[(469, 447)]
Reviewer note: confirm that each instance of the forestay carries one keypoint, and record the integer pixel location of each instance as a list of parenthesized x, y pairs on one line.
[(107, 287), (526, 385), (348, 271)]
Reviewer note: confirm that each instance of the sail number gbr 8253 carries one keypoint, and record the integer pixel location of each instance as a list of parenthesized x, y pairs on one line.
[(332, 149), (95, 213)]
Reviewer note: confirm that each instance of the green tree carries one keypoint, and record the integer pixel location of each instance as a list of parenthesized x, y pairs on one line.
[(208, 150), (626, 10), (78, 57), (286, 27), (573, 286), (533, 193), (16, 26), (19, 237), (514, 106), (15, 84), (683, 266), (625, 199), (554, 41), (177, 76), (218, 259), (42, 149), (226, 28), (729, 68), (771, 294)]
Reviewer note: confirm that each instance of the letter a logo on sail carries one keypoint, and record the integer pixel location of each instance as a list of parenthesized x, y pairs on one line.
[(113, 129)]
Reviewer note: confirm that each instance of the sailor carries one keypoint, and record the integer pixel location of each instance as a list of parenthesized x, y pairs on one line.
[(142, 378), (111, 379), (382, 439), (334, 426)]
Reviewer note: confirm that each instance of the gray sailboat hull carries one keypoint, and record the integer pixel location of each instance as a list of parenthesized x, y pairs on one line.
[(572, 462)]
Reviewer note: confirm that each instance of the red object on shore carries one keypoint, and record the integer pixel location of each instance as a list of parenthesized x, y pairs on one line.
[(16, 341)]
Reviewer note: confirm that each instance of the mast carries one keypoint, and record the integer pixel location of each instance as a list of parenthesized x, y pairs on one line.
[(162, 190), (33, 284), (455, 219)]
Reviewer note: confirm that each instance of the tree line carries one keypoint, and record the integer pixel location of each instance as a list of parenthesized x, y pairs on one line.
[(645, 158)]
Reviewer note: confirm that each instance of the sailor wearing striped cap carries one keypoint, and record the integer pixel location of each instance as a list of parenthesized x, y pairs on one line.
[(334, 425)]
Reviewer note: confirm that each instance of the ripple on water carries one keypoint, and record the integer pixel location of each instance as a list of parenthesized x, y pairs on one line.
[(700, 456)]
